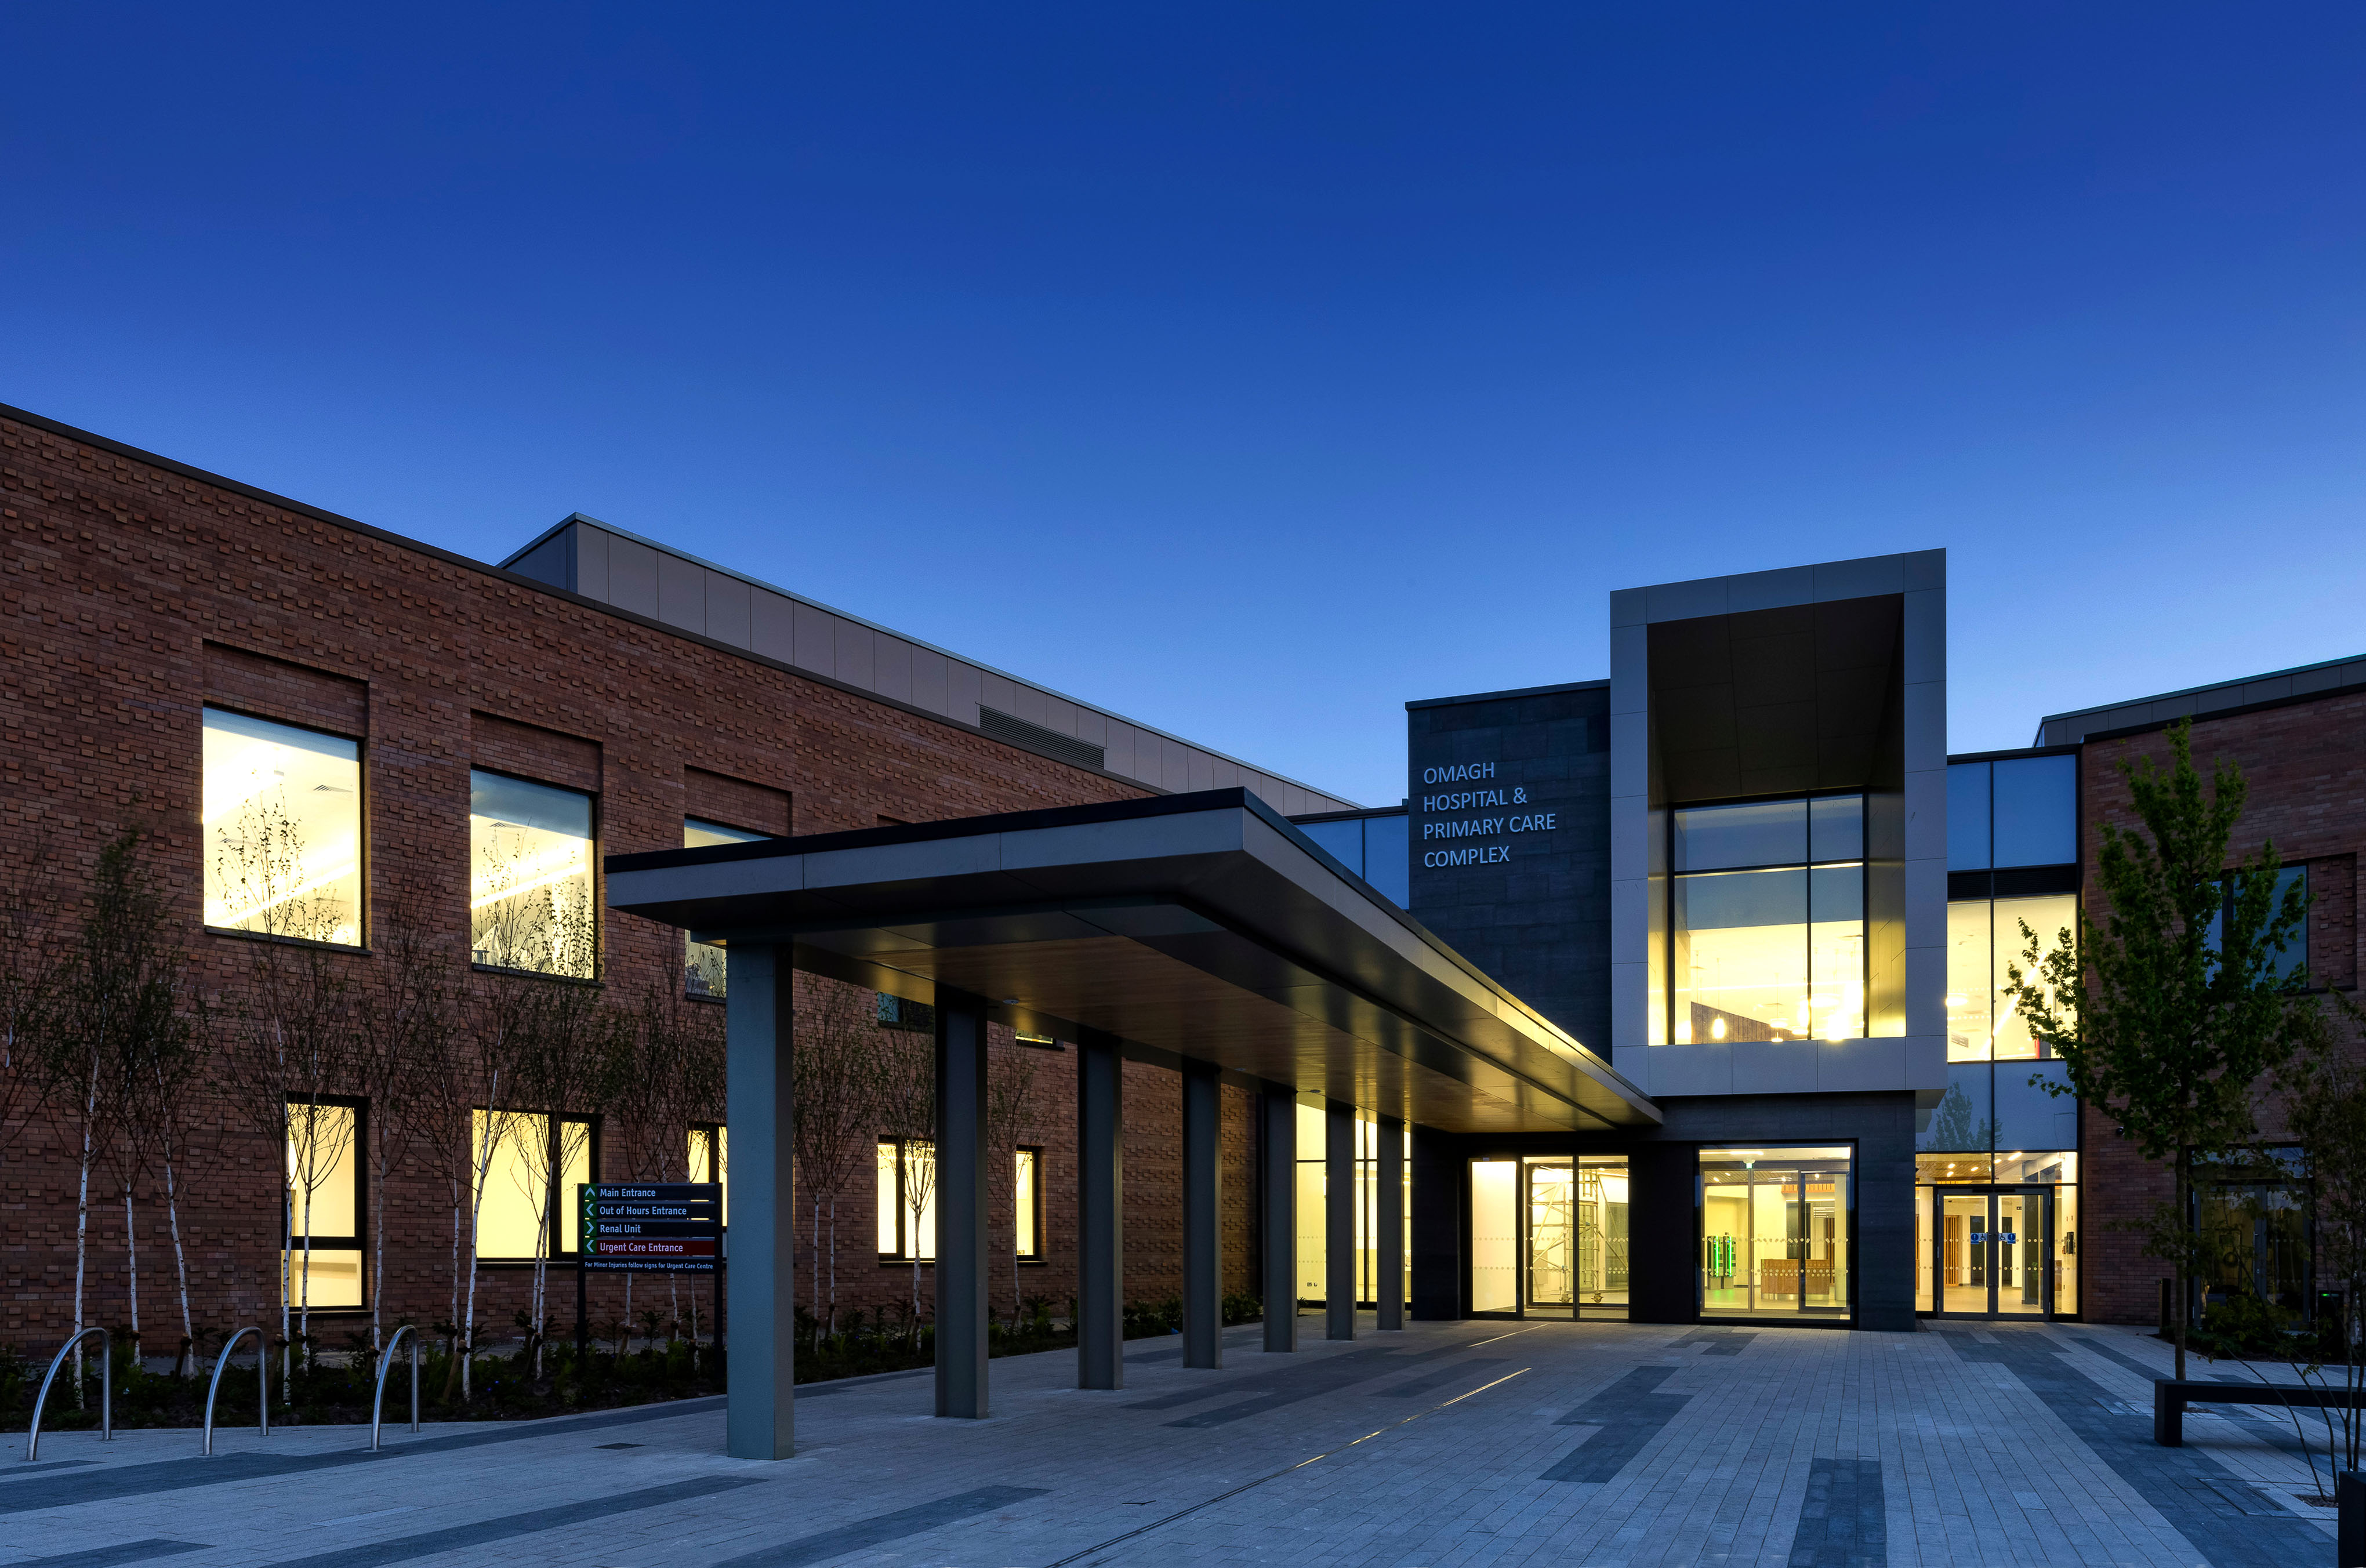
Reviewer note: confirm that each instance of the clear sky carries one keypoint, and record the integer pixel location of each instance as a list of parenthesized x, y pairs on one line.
[(1251, 370)]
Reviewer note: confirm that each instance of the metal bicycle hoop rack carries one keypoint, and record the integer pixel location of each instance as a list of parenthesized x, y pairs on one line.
[(105, 1387), (262, 1381), (385, 1361)]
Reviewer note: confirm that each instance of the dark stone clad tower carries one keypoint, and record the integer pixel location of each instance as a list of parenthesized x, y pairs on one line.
[(1508, 798)]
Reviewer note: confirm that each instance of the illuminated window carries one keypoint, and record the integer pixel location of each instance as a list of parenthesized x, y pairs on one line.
[(1027, 1203), (710, 1160), (324, 1208), (283, 829), (1767, 927), (907, 1199), (521, 1213), (703, 965), (530, 894)]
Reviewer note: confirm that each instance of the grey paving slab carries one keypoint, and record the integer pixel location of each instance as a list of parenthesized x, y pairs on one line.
[(2010, 1445)]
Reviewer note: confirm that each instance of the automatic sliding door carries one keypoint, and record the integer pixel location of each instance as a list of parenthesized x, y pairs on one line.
[(1776, 1233), (1552, 1236)]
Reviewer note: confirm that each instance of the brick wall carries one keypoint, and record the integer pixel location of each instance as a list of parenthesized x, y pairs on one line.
[(2305, 765), (130, 591)]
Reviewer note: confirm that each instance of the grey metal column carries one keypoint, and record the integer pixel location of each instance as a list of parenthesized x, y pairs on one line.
[(1203, 1212), (759, 1026), (960, 1196), (1388, 1222), (1338, 1221), (1100, 1211), (1279, 1108)]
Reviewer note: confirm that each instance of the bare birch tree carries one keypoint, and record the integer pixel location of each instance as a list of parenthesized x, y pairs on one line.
[(403, 1068), (838, 1067), (907, 1105)]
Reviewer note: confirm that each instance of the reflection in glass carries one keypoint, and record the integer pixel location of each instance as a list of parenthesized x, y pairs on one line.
[(1960, 1117), (2036, 811), (1495, 1236), (1836, 828), (704, 970), (1967, 817), (1714, 838), (530, 904), (1775, 1225), (2254, 1240), (282, 818), (1342, 841), (1388, 865), (2027, 1117)]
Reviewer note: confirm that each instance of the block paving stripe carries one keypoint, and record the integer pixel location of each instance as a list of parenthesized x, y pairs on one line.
[(108, 1556), (1843, 1521), (881, 1529), (508, 1527), (1629, 1414)]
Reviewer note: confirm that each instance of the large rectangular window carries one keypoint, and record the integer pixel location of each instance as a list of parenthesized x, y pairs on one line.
[(282, 819), (521, 1211), (704, 969), (908, 1200), (531, 903), (1027, 1203), (1767, 921), (1777, 1233), (324, 1204)]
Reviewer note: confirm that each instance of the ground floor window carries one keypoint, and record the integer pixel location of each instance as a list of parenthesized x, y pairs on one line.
[(1997, 1235), (1027, 1203), (908, 1200), (1313, 1227), (1777, 1232), (324, 1205), (710, 1160), (1549, 1235), (2252, 1212), (531, 1166)]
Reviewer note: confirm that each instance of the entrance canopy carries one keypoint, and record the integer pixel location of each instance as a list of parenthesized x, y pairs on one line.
[(1200, 926)]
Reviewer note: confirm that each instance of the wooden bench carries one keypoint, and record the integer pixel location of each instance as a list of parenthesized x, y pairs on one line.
[(2169, 1398)]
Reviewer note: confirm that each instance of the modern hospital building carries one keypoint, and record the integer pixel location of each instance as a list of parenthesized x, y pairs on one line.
[(1673, 992)]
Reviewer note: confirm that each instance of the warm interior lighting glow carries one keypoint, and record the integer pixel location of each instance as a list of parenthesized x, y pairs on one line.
[(282, 829)]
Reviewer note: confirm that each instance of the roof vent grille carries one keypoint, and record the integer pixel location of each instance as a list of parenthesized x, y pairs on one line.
[(1035, 737)]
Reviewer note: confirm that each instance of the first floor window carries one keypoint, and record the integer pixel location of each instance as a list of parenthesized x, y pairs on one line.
[(710, 1160), (1766, 924), (530, 893), (324, 1208), (1026, 1194), (283, 829), (703, 963), (907, 1199), (530, 1165)]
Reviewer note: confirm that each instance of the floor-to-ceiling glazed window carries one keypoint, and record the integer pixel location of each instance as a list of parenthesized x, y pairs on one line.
[(531, 903), (1549, 1235), (1997, 1226), (1777, 1233), (1766, 921), (1313, 1184)]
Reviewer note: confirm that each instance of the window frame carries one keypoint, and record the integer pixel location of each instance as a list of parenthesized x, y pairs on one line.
[(358, 1242), (719, 1150), (593, 874), (1036, 1203), (693, 989), (361, 834), (902, 1258), (566, 1245)]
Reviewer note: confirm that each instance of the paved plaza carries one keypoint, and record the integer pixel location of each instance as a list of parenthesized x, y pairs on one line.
[(1560, 1443)]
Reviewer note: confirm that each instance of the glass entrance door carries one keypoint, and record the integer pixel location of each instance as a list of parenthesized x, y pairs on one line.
[(1992, 1253), (1552, 1236)]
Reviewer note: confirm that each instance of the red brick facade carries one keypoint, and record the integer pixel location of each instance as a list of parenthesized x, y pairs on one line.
[(131, 592), (2305, 765)]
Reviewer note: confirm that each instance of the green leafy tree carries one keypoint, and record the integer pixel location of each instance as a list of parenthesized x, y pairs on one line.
[(2167, 1011)]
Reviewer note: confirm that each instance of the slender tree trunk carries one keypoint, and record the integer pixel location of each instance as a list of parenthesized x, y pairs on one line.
[(833, 1263), (2178, 1310), (304, 1293), (131, 1264), (180, 1267), (81, 1221), (377, 1254), (624, 1341)]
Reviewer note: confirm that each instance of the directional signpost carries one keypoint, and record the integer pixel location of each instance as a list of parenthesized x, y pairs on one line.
[(664, 1227), (654, 1227)]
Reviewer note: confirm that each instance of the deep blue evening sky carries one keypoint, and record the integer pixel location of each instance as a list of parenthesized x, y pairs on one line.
[(1251, 370)]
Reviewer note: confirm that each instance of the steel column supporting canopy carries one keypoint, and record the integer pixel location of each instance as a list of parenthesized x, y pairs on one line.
[(1197, 926)]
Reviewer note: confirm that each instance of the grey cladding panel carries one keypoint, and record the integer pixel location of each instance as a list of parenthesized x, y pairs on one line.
[(547, 562), (856, 664), (727, 609), (633, 577), (892, 669), (773, 626), (682, 594), (817, 640)]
